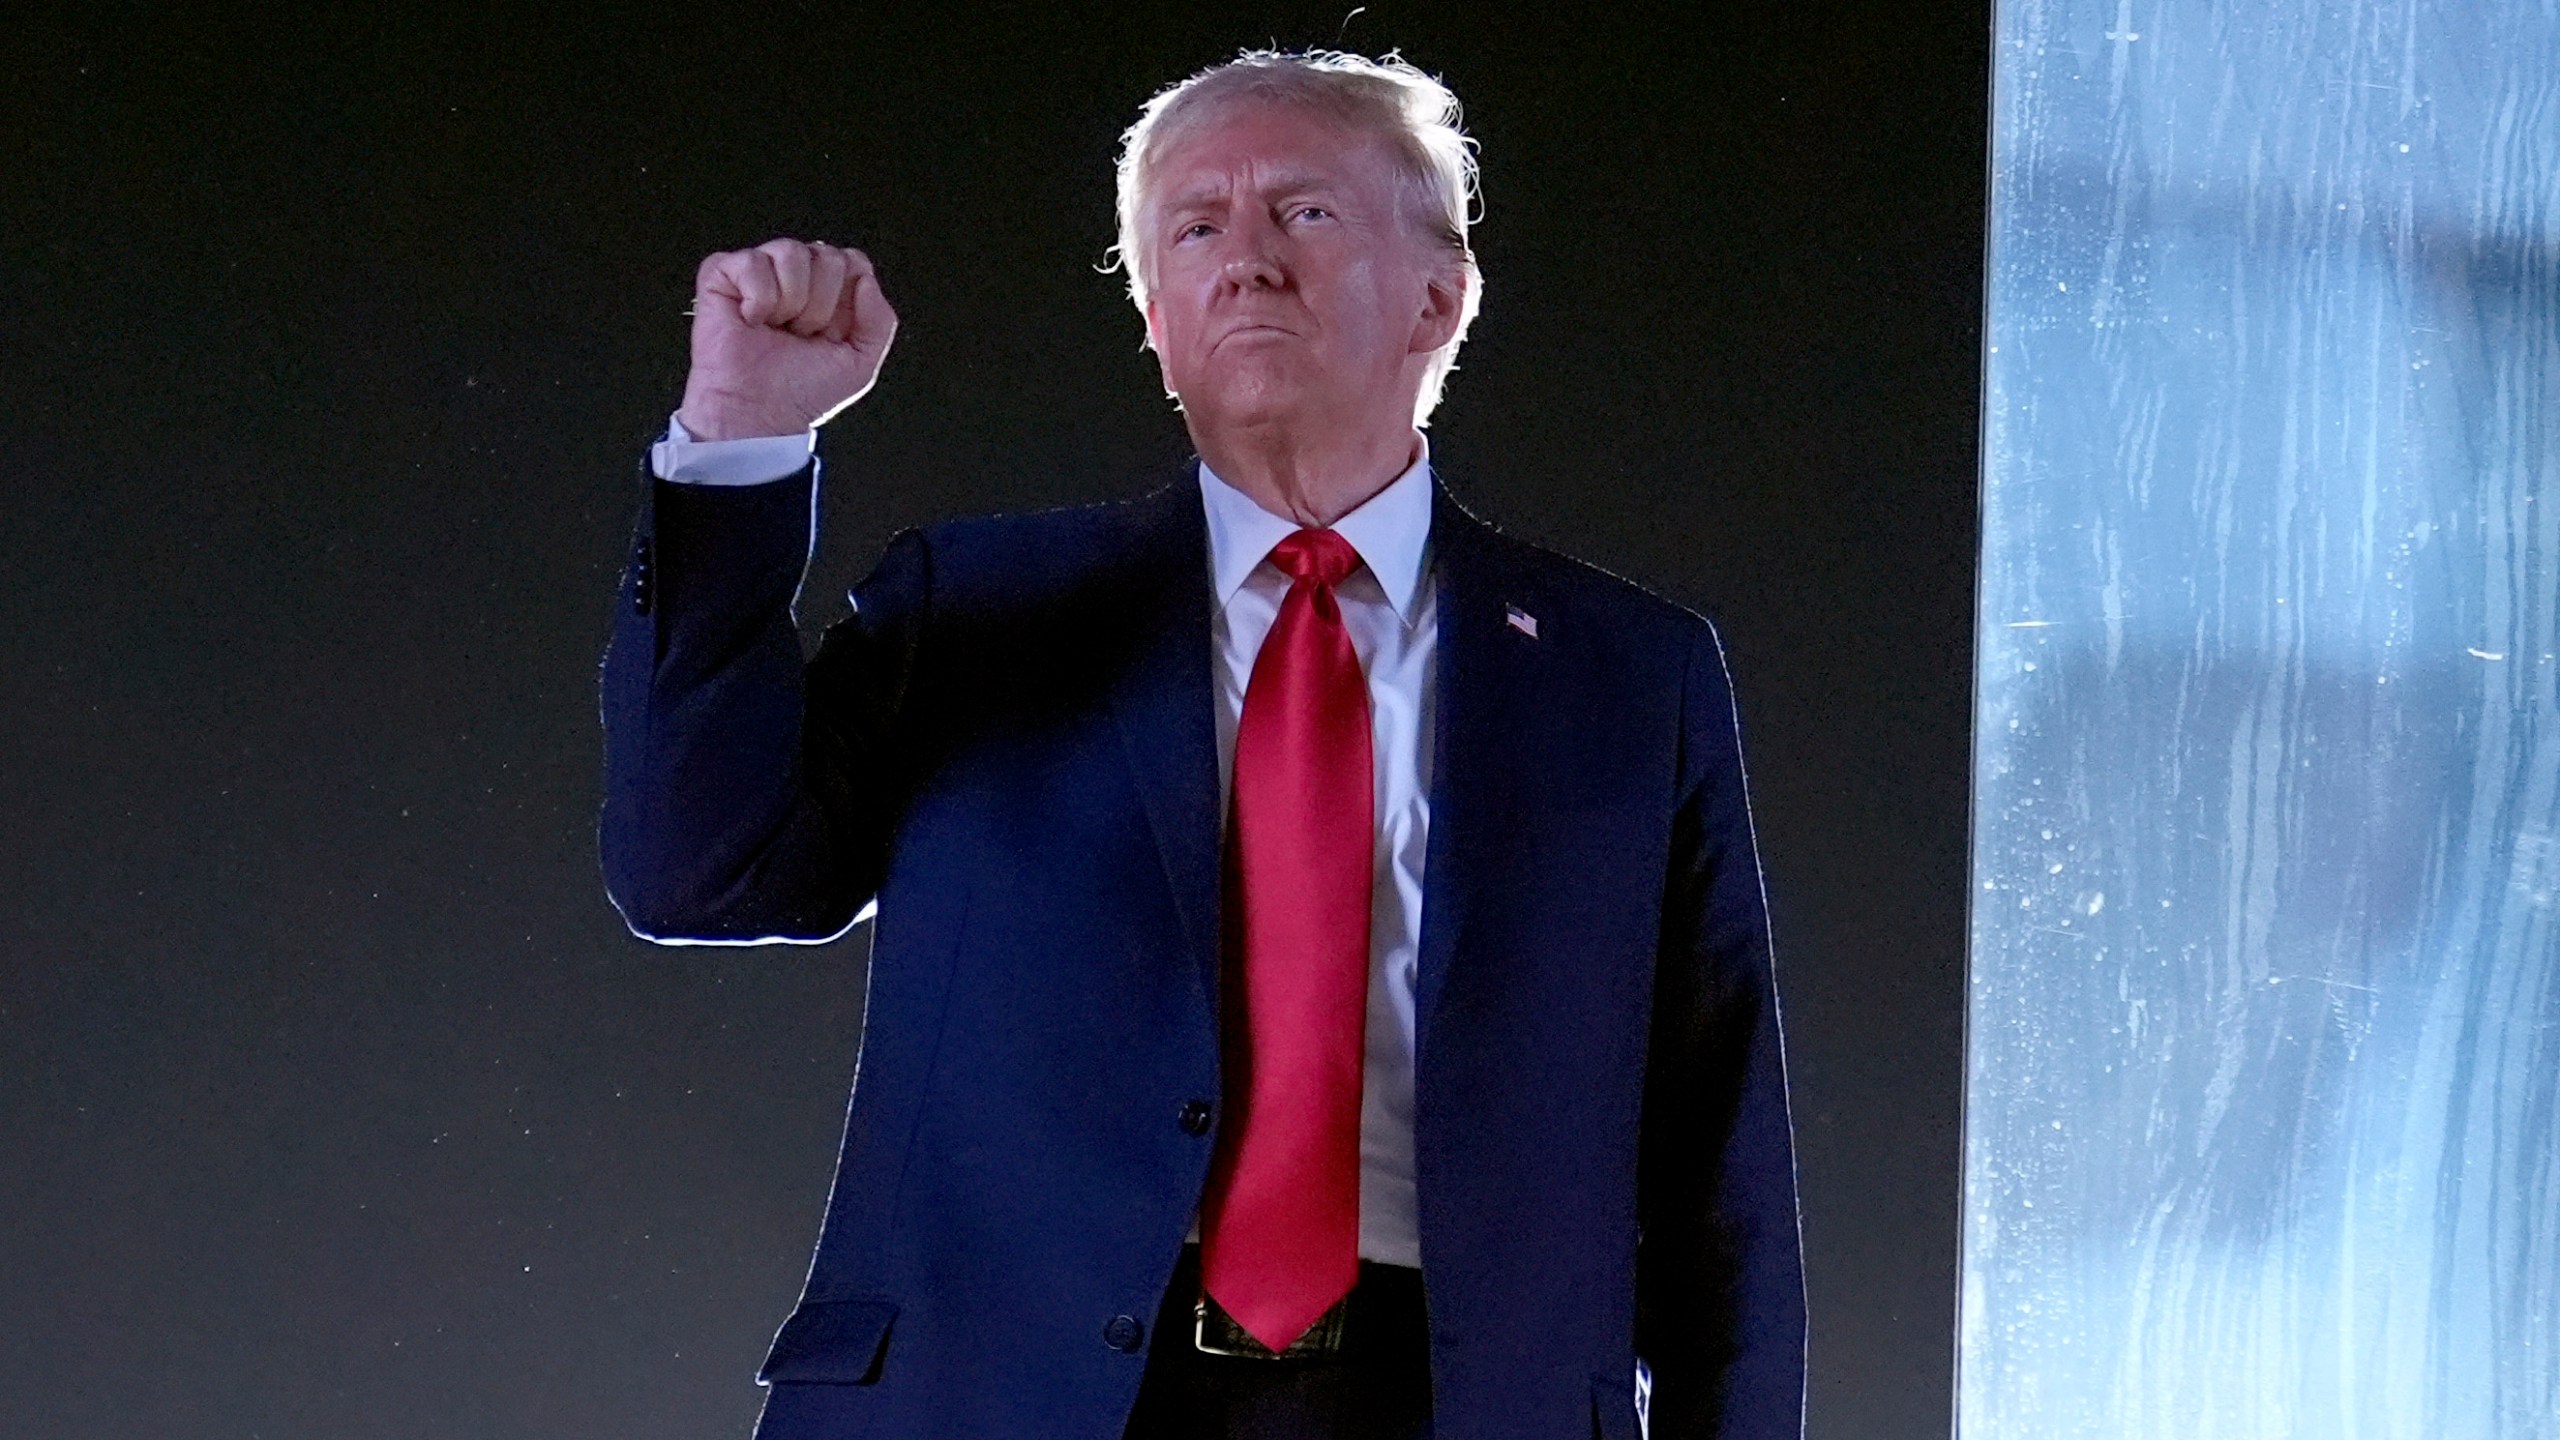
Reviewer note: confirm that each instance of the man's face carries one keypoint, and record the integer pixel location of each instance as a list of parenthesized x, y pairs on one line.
[(1288, 282)]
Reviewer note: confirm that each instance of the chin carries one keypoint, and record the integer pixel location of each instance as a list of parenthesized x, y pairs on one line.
[(1249, 399)]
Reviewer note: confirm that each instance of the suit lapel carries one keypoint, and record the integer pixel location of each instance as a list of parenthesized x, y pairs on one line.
[(1166, 722), (1484, 673)]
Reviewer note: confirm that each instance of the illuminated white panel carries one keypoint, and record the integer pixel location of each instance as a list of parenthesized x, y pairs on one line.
[(2263, 1099)]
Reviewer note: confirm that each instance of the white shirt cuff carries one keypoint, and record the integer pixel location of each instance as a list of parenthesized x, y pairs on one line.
[(687, 461)]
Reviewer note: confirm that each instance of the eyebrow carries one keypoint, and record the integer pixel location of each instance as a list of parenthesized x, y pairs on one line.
[(1301, 183)]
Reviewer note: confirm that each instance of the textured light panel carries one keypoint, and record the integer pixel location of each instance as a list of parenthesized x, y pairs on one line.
[(2263, 1096)]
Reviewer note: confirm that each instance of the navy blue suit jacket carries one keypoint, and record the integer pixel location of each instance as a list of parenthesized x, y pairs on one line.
[(1009, 744)]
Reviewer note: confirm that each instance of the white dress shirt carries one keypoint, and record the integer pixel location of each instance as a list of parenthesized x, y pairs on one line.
[(1390, 607), (688, 461)]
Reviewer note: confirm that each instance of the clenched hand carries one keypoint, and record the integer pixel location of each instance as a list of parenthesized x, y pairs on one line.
[(784, 336)]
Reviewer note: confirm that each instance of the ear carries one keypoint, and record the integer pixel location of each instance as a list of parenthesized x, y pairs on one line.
[(1163, 370), (1444, 294)]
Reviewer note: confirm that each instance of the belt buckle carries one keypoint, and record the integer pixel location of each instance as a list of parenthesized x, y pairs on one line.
[(1215, 1332)]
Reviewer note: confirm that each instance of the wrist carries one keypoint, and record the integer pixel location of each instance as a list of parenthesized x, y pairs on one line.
[(717, 417)]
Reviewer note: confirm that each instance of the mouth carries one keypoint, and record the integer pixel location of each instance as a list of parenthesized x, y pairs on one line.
[(1254, 331)]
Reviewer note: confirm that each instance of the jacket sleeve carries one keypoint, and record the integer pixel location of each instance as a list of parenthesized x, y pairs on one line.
[(749, 798), (1720, 1289)]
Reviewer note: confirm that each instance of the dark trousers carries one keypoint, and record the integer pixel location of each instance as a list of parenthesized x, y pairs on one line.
[(1377, 1388)]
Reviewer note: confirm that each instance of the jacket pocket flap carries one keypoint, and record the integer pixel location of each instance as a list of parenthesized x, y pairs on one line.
[(831, 1342)]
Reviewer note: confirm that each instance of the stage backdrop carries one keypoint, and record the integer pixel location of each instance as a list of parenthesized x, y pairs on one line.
[(335, 1102), (2263, 1126)]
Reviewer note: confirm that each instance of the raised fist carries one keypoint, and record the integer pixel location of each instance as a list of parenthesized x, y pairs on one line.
[(784, 336)]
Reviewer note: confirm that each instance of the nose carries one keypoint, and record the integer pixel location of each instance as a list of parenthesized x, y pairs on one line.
[(1253, 271), (1254, 261)]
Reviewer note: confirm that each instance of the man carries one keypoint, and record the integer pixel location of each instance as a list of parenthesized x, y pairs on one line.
[(1320, 984)]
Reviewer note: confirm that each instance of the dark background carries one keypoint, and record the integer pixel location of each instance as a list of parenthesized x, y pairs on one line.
[(334, 1100)]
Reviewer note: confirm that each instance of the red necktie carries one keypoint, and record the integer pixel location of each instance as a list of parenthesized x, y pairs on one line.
[(1280, 1224)]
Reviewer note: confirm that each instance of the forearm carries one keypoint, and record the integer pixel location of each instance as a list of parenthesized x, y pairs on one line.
[(1720, 1289), (735, 809), (1721, 1318), (711, 829)]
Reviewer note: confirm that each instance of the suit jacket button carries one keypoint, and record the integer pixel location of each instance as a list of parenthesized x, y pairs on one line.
[(1195, 1117), (1123, 1332)]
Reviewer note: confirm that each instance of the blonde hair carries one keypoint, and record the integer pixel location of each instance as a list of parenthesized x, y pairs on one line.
[(1415, 114)]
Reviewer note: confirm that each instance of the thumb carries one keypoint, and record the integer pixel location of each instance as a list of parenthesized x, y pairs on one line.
[(863, 315)]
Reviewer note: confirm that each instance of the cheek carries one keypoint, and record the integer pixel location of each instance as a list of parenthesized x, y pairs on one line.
[(1173, 318), (1375, 299), (1182, 330)]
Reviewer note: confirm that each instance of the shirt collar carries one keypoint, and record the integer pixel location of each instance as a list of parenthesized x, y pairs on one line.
[(1389, 530)]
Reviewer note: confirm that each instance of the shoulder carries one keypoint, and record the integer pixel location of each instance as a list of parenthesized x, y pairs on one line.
[(1653, 655), (1602, 600), (1079, 527), (1091, 519), (1051, 553)]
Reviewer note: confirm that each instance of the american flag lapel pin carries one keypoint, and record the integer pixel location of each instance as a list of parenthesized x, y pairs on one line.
[(1520, 620)]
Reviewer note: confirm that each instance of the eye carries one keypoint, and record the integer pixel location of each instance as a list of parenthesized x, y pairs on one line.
[(1317, 211), (1193, 230)]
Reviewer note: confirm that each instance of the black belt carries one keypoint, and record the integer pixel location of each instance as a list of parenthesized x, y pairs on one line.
[(1382, 1314)]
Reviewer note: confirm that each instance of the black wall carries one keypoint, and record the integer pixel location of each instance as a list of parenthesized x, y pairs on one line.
[(334, 1100)]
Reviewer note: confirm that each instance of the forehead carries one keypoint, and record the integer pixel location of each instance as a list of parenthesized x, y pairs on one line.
[(1268, 145)]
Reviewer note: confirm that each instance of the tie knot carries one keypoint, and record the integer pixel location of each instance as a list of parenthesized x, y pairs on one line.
[(1321, 556)]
